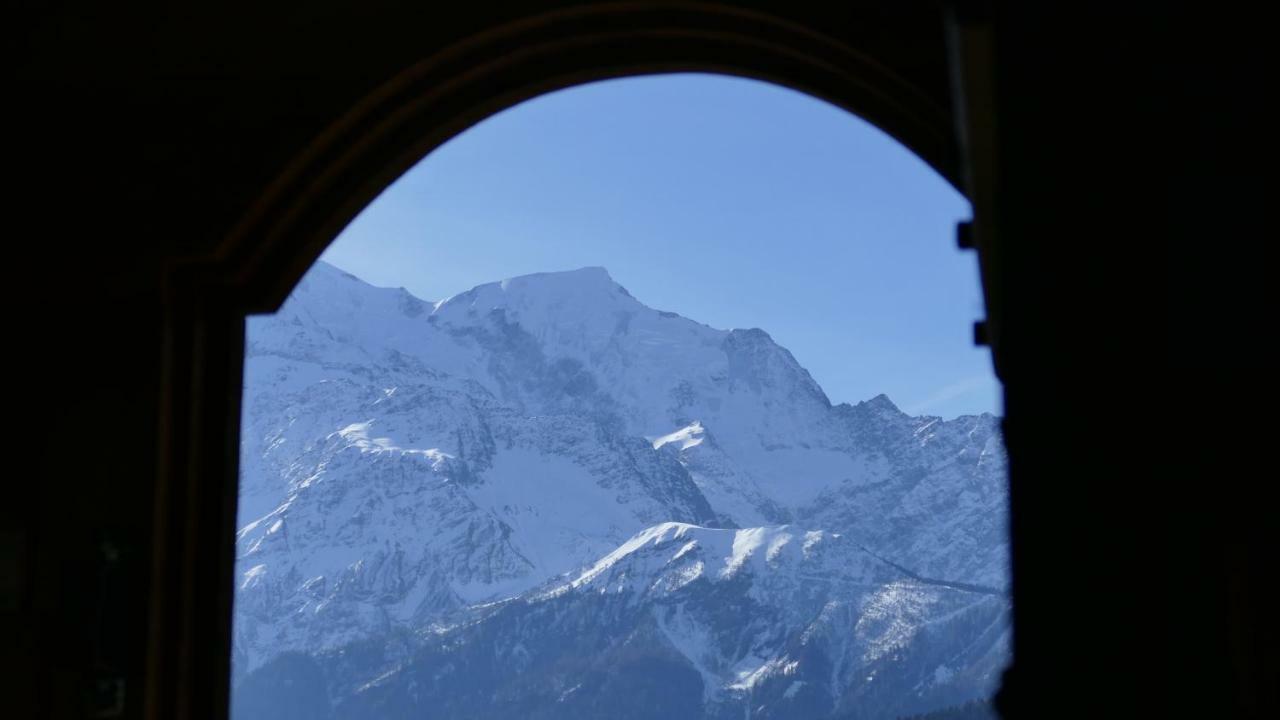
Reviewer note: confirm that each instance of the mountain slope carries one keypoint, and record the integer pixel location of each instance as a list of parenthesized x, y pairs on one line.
[(443, 469)]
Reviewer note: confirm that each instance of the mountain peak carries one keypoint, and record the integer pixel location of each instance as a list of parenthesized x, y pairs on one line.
[(593, 272), (881, 403), (545, 295), (592, 277)]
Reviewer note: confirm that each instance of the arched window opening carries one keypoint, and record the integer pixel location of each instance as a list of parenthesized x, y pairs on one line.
[(648, 398)]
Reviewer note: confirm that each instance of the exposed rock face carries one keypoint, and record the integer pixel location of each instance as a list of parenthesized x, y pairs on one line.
[(540, 497)]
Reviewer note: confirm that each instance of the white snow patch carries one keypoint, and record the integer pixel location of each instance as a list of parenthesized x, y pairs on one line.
[(253, 576), (685, 437)]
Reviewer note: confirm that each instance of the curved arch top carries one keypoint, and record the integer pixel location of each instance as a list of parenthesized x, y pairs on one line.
[(391, 129)]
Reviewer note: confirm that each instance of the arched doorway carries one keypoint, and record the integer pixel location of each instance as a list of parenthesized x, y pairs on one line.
[(333, 445), (391, 128)]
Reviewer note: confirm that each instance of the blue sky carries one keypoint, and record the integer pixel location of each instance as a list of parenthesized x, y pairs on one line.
[(733, 202)]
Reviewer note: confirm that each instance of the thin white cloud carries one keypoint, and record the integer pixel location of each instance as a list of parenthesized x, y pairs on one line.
[(949, 392)]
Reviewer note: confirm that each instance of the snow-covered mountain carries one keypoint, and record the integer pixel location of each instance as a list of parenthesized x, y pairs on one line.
[(543, 479)]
